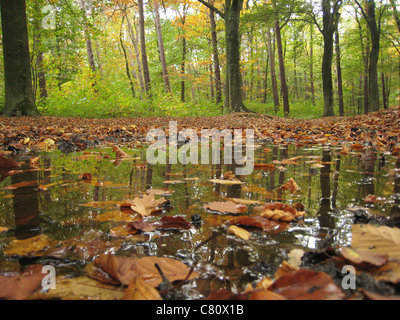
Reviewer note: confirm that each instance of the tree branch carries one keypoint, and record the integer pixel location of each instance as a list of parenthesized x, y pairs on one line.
[(211, 7)]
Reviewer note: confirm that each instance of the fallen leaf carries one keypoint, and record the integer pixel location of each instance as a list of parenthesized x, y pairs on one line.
[(147, 205), (22, 286), (174, 223), (380, 239), (226, 182), (370, 198), (29, 247), (239, 232), (389, 272), (119, 153), (364, 258), (2, 229), (307, 285), (81, 288), (125, 269), (283, 269), (291, 185), (260, 222), (226, 207), (279, 211), (140, 290), (142, 226)]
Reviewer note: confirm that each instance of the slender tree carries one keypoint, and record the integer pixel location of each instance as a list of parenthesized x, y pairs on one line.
[(370, 17), (145, 64), (161, 48)]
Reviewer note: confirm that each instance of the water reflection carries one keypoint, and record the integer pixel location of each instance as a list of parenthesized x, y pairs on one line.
[(26, 202), (223, 260)]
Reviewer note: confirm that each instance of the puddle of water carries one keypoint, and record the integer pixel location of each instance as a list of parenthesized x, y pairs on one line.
[(69, 196)]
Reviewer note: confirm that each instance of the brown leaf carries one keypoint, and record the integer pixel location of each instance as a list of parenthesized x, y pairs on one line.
[(370, 198), (119, 153), (142, 225), (291, 185), (279, 211), (307, 285), (22, 286), (140, 290), (226, 207), (381, 239), (8, 163), (125, 269), (174, 223), (260, 222), (364, 258)]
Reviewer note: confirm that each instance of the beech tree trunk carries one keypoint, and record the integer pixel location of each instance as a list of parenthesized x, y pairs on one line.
[(19, 99), (217, 68), (89, 47), (330, 20), (339, 74), (271, 54), (145, 64)]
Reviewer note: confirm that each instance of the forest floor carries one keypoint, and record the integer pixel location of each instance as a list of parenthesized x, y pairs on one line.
[(364, 136), (379, 129)]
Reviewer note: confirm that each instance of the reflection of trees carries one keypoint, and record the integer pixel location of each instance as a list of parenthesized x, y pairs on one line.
[(396, 191), (26, 202), (324, 217), (336, 182)]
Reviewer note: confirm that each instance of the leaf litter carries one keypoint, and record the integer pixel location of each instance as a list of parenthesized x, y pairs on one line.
[(372, 250)]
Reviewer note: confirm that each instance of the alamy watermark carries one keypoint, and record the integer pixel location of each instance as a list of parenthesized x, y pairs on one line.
[(183, 147), (349, 280), (48, 281)]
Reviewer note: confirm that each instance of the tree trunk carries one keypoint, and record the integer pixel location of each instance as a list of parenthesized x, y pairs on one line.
[(135, 44), (38, 50), (145, 64), (217, 68), (312, 65), (89, 47), (373, 64), (271, 55), (161, 48), (282, 71), (330, 20), (339, 74), (17, 67), (234, 76), (395, 13), (128, 73)]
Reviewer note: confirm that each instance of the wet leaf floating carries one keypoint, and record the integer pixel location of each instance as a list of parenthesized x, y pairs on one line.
[(23, 285), (307, 285), (226, 207), (260, 222), (29, 247), (125, 269), (174, 223), (140, 290), (2, 229), (239, 232), (291, 185), (147, 205), (380, 239), (279, 211), (8, 163), (140, 225), (364, 258), (80, 288), (226, 182)]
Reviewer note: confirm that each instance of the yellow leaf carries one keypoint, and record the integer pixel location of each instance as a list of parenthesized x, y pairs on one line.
[(239, 232), (140, 290)]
